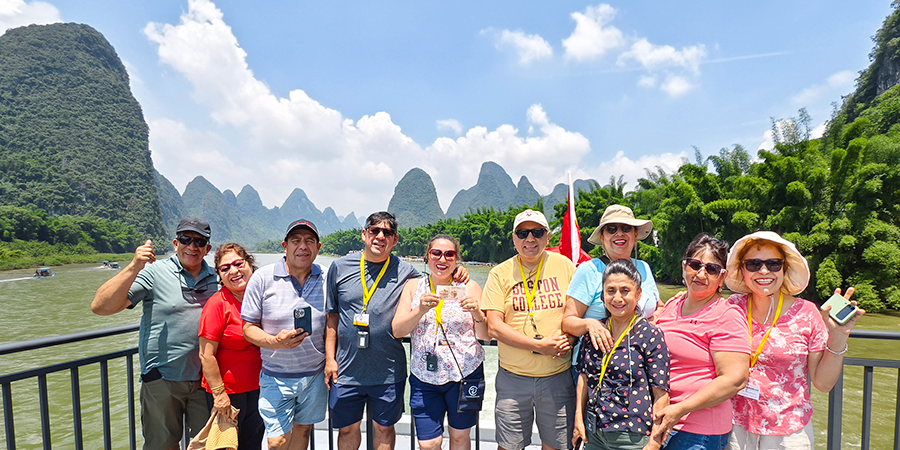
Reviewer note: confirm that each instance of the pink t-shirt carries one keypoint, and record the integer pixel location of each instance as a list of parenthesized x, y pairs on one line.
[(720, 327), (781, 370)]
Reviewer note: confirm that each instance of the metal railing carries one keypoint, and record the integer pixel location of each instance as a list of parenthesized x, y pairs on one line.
[(835, 399), (41, 373), (836, 396)]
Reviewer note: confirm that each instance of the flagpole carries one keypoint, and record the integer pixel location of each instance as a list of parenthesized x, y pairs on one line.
[(574, 240)]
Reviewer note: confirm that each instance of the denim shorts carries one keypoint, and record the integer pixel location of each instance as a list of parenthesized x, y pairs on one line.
[(347, 403), (429, 404), (284, 402), (682, 440)]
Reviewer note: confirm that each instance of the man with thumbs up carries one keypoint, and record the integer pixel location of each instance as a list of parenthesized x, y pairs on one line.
[(173, 292)]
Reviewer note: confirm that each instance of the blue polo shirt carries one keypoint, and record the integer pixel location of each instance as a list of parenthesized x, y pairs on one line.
[(173, 300)]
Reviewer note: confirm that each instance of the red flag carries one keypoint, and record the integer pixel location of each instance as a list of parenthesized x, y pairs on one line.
[(570, 238)]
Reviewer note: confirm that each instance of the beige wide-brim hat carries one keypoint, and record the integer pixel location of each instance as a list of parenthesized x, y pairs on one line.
[(620, 214), (796, 277)]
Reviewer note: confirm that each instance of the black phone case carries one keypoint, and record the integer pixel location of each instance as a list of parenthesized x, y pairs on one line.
[(303, 319)]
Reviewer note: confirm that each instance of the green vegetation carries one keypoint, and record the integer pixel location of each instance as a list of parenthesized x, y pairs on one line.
[(30, 237), (73, 140)]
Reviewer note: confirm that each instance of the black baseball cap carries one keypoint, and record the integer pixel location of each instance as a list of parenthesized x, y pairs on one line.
[(194, 224), (302, 223)]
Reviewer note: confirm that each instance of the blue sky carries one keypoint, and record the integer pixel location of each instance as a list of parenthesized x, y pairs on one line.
[(341, 99)]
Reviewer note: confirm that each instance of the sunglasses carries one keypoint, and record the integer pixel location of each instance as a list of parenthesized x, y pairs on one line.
[(199, 242), (536, 232), (613, 228), (774, 264), (696, 265), (449, 254), (375, 231), (238, 263)]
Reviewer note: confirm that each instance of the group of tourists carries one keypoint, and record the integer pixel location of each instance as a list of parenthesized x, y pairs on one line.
[(592, 355)]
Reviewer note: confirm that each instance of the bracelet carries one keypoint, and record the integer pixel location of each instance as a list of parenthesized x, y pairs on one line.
[(220, 389), (480, 321), (846, 347)]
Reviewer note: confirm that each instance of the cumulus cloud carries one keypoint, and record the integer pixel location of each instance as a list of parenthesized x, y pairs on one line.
[(676, 86), (680, 67), (838, 82), (277, 144), (18, 13), (450, 125), (528, 47), (633, 169), (592, 37)]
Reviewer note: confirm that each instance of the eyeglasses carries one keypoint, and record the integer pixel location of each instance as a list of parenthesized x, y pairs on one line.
[(448, 254), (375, 231), (536, 232), (774, 264), (238, 263), (696, 265), (199, 242), (614, 228)]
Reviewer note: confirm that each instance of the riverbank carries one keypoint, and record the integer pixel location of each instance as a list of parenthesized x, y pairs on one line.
[(28, 262)]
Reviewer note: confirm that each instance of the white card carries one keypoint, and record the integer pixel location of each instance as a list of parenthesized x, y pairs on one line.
[(751, 392), (450, 292), (361, 320)]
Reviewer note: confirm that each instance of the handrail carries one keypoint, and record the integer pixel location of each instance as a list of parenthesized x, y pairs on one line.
[(15, 347)]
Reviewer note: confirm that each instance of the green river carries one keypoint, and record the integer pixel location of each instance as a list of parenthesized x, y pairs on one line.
[(35, 308)]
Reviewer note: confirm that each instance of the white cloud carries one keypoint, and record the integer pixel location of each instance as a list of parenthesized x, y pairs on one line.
[(529, 47), (632, 170), (592, 38), (657, 57), (838, 82), (451, 125), (676, 86), (276, 144), (18, 13)]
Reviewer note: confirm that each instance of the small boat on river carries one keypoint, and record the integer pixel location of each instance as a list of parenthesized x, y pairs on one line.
[(43, 272)]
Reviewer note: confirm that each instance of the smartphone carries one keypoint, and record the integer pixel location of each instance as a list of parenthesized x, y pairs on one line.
[(303, 319), (579, 444), (841, 309)]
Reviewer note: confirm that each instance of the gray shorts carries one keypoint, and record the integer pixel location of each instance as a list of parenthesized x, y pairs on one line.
[(523, 400), (163, 405)]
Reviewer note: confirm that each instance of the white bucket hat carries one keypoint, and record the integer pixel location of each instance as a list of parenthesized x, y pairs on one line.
[(796, 275), (620, 214)]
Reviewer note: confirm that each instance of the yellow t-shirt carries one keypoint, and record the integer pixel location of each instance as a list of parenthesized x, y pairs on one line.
[(503, 292)]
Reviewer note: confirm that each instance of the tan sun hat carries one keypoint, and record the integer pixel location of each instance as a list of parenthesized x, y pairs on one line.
[(620, 214), (796, 275)]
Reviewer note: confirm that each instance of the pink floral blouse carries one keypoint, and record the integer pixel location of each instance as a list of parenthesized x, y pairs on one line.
[(426, 337), (781, 372)]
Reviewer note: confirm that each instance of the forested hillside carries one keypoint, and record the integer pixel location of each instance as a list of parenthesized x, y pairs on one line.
[(73, 140)]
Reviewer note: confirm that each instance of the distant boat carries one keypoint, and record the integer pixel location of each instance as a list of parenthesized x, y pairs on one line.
[(113, 265), (43, 272)]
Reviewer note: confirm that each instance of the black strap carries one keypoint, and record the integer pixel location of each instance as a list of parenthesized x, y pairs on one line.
[(450, 347)]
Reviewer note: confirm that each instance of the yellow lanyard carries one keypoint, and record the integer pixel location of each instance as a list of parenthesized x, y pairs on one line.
[(755, 356), (440, 305), (608, 356), (367, 294), (529, 296)]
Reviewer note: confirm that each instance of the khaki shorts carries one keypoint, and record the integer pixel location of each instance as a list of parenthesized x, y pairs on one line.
[(522, 401), (165, 405), (742, 439)]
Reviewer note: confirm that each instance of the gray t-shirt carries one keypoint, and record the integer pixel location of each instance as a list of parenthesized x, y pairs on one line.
[(384, 361), (270, 299), (172, 302)]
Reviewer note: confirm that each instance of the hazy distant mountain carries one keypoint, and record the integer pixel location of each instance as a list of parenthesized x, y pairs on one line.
[(415, 201), (170, 202), (72, 136), (561, 192), (526, 194)]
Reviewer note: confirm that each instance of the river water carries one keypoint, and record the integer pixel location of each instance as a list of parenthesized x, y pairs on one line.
[(35, 308)]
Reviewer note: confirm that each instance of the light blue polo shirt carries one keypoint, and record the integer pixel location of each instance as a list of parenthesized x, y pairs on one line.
[(270, 299), (173, 300), (587, 287)]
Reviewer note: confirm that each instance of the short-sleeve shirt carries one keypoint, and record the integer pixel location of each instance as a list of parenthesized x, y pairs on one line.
[(587, 288), (624, 400), (239, 362), (427, 338), (271, 296), (384, 361), (718, 326), (172, 302), (504, 292), (781, 370)]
